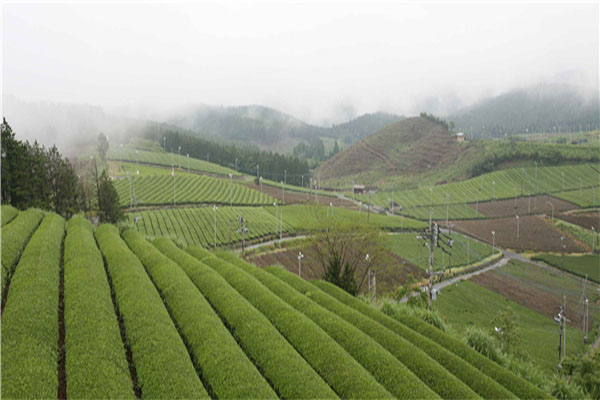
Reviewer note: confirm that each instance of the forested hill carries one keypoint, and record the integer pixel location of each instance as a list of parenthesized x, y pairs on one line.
[(271, 129), (542, 108)]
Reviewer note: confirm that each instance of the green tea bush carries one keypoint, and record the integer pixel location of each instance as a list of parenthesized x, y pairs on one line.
[(222, 364), (385, 368), (96, 365), (343, 373), (163, 365), (30, 317)]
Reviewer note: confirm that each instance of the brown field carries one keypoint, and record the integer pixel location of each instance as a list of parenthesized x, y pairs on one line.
[(535, 233), (302, 198), (583, 219), (543, 297), (539, 205), (387, 278)]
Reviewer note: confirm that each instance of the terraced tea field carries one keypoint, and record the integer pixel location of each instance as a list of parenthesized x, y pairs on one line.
[(195, 226), (579, 265), (167, 160), (186, 189), (503, 184), (173, 323)]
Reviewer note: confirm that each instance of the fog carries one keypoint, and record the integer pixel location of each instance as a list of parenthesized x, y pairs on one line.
[(324, 62)]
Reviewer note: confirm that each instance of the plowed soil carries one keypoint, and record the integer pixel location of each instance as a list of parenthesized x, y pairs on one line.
[(538, 205), (302, 198), (387, 279), (585, 220), (535, 234)]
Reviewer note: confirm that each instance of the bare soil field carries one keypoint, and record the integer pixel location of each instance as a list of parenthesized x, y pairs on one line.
[(302, 198), (387, 279), (537, 205), (584, 219), (535, 233), (536, 297)]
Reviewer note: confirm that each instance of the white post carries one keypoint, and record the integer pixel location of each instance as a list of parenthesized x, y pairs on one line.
[(331, 206), (137, 165), (215, 213), (276, 220), (493, 242), (300, 257), (173, 187), (230, 190), (518, 227), (281, 225), (260, 180), (283, 189), (179, 152), (188, 159)]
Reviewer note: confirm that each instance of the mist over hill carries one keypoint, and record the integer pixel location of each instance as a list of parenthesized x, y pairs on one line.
[(540, 108)]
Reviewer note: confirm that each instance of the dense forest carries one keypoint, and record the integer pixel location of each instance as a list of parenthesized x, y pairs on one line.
[(273, 166)]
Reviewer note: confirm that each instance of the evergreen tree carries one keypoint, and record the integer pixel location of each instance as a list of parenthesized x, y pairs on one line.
[(102, 145), (108, 200)]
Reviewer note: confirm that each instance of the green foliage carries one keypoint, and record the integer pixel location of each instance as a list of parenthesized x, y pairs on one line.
[(579, 265), (438, 345), (33, 176), (189, 189), (382, 365), (586, 236), (195, 226), (102, 145), (163, 365), (561, 389), (428, 370), (328, 359), (14, 238), (96, 366), (585, 372), (432, 317), (482, 342), (108, 200), (223, 365), (7, 213), (436, 120), (508, 321), (29, 320), (278, 361)]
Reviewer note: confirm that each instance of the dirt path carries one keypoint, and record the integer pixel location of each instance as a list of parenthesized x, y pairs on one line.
[(378, 155)]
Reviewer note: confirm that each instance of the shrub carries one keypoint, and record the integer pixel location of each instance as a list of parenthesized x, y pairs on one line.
[(163, 365), (7, 213), (30, 317), (407, 325), (429, 371), (432, 317), (223, 365), (483, 343), (96, 366), (14, 238), (385, 368), (328, 359)]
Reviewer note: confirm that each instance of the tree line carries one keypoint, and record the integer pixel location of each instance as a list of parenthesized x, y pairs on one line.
[(273, 166), (40, 177)]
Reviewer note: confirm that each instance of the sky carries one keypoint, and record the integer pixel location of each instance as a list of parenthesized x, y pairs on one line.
[(321, 61)]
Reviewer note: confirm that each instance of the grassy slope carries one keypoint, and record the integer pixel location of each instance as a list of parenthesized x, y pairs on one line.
[(467, 303), (303, 218), (580, 265)]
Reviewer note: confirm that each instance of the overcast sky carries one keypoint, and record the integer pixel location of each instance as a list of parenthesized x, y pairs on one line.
[(320, 61)]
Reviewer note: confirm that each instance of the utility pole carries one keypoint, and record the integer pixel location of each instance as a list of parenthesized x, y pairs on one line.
[(518, 219), (281, 224), (283, 190), (430, 237), (493, 242), (188, 160), (584, 300), (276, 220), (179, 156), (173, 173)]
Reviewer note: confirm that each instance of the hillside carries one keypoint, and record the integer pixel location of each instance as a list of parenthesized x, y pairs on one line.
[(407, 148), (541, 108), (197, 324)]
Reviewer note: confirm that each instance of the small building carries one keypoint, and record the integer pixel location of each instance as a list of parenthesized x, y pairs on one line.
[(363, 189), (461, 137)]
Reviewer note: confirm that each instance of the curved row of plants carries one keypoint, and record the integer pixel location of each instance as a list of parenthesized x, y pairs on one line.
[(29, 321)]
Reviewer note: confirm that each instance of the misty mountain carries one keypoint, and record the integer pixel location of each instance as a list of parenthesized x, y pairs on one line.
[(538, 108), (362, 126), (271, 129)]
